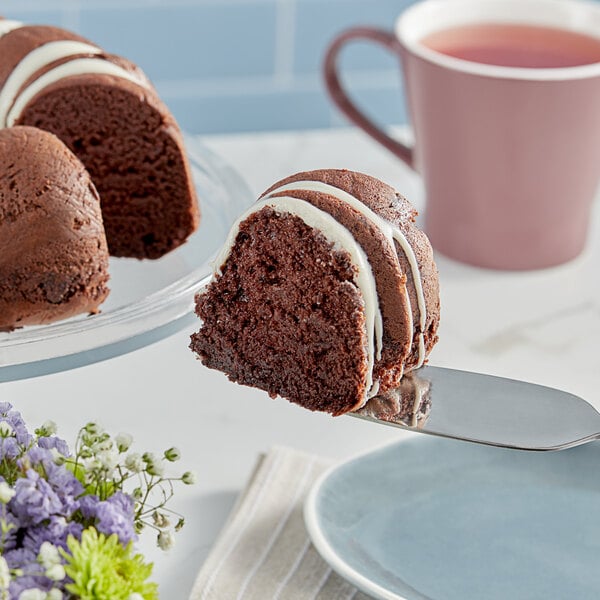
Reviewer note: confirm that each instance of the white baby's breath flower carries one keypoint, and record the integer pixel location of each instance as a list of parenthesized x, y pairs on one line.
[(134, 462), (123, 441), (156, 469), (165, 540), (57, 457), (56, 573), (91, 464), (50, 427), (48, 555), (189, 478), (54, 594), (104, 446), (135, 596), (32, 594), (160, 519), (6, 429), (108, 460), (172, 454), (4, 574), (93, 428), (149, 457), (6, 492)]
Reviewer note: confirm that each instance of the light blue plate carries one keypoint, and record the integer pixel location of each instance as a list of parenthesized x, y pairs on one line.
[(445, 520)]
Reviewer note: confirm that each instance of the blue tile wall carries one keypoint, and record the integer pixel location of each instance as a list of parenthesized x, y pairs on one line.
[(274, 109), (204, 41), (46, 17), (318, 21), (239, 65)]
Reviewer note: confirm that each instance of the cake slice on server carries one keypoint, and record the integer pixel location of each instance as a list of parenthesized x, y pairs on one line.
[(325, 293), (108, 113)]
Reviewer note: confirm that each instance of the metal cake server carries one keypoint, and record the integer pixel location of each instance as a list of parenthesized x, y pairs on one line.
[(488, 410)]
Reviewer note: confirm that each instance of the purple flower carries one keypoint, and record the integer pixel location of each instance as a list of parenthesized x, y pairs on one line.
[(88, 505), (55, 531), (124, 502), (38, 456), (35, 500), (27, 582), (10, 537), (115, 515), (23, 437), (54, 442), (15, 420), (19, 557), (9, 448), (66, 485)]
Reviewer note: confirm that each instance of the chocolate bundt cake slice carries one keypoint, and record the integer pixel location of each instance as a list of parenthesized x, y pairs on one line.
[(53, 252), (325, 293), (108, 113)]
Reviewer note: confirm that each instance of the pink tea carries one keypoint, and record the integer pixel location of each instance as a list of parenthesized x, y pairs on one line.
[(511, 45)]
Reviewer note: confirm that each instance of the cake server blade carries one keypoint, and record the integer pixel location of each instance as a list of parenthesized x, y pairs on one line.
[(490, 410)]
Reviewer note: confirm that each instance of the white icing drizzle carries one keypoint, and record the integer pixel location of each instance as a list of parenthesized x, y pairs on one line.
[(421, 349), (390, 232), (32, 63), (418, 283), (420, 388), (6, 26), (80, 66), (336, 233), (372, 392)]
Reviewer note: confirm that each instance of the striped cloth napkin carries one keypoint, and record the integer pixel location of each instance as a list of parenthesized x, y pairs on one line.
[(263, 551)]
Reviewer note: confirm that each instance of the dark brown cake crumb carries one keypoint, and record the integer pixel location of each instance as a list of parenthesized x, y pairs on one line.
[(134, 157), (286, 315)]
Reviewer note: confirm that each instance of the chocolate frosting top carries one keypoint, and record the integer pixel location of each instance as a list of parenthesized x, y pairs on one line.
[(53, 252)]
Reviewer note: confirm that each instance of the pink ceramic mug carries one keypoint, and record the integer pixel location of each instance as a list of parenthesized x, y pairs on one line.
[(510, 156)]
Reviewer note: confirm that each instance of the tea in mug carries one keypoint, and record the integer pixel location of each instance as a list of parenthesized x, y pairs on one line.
[(508, 45)]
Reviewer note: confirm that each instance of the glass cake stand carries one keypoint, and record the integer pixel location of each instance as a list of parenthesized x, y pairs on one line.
[(149, 300)]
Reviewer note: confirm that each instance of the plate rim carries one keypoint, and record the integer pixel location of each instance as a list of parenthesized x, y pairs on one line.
[(323, 547)]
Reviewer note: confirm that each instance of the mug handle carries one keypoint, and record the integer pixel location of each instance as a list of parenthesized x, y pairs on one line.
[(332, 80)]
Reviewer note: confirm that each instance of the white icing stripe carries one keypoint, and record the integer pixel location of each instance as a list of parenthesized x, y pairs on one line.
[(336, 233), (37, 59), (317, 186), (389, 231), (419, 389), (80, 66), (421, 348), (7, 26), (418, 283)]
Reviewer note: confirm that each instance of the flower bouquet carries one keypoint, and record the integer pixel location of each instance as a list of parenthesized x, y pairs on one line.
[(69, 521)]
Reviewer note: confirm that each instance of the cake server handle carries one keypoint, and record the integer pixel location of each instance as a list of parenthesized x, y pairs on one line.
[(491, 410)]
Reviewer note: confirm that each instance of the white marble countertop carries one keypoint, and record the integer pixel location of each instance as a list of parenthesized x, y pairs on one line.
[(538, 326)]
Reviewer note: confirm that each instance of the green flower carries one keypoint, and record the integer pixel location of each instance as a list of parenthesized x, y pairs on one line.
[(102, 569)]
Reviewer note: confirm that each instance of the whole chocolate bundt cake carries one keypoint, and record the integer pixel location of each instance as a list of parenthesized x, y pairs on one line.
[(108, 113), (53, 252)]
